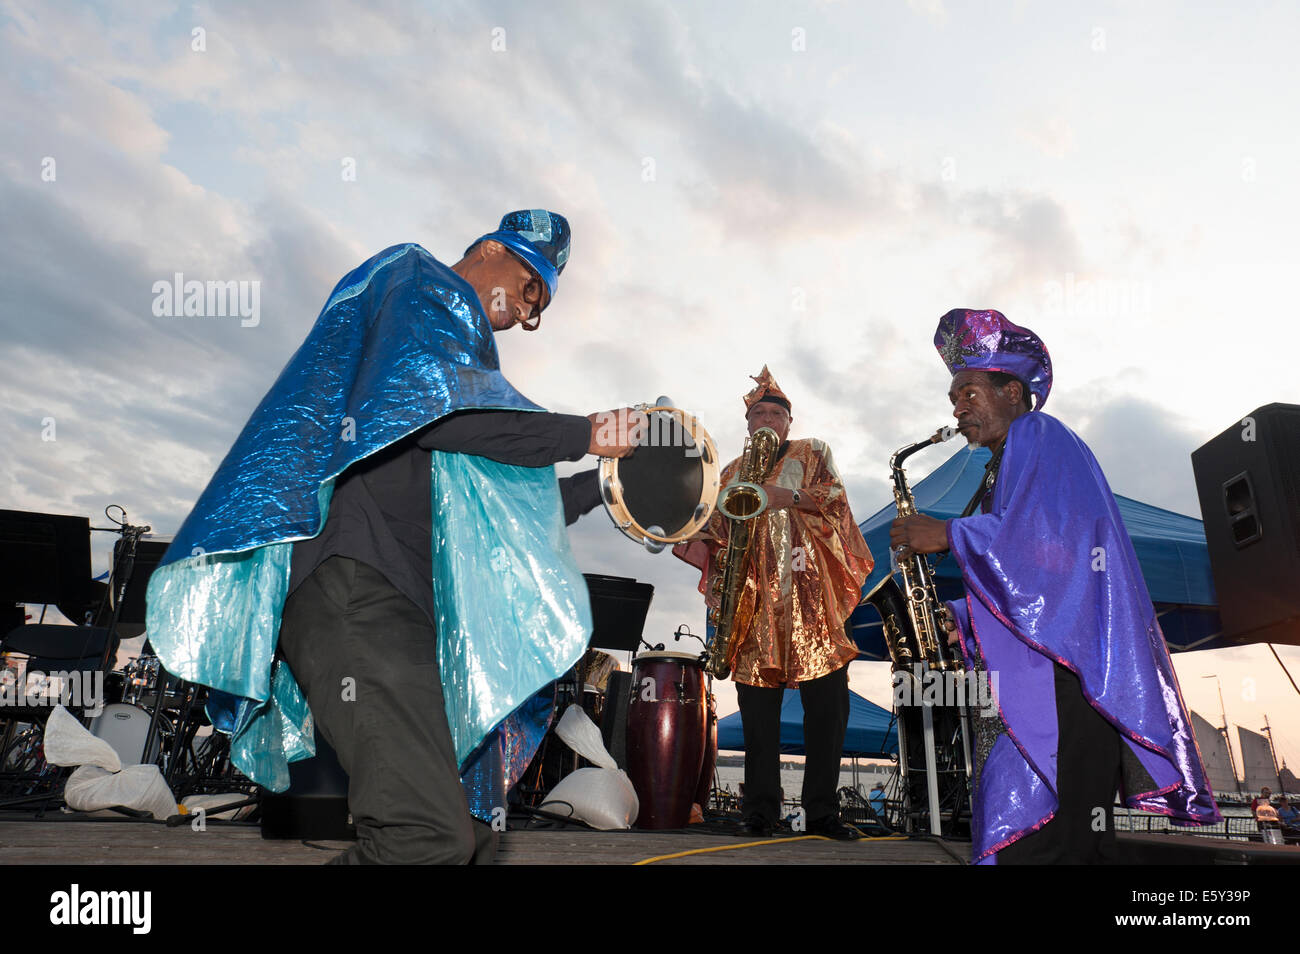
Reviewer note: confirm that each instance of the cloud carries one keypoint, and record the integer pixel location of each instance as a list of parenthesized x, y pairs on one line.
[(1129, 436), (1052, 135), (932, 10), (1033, 239)]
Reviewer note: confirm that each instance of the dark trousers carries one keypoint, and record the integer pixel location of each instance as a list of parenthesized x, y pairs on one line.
[(366, 658), (825, 719), (1087, 776)]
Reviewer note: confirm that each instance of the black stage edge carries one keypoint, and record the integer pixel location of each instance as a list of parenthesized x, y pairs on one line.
[(1147, 849)]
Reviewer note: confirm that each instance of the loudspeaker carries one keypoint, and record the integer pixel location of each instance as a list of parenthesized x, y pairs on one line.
[(1248, 481), (613, 725), (316, 804)]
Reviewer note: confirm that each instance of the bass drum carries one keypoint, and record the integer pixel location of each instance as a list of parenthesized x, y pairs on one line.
[(124, 727), (665, 490)]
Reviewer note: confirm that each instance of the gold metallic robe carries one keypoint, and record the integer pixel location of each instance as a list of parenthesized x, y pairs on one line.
[(804, 578)]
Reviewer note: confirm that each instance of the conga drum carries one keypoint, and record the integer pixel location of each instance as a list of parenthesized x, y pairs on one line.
[(666, 736)]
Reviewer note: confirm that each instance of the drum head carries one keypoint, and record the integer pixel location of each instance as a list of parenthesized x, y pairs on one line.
[(690, 659), (125, 728), (666, 489), (661, 487)]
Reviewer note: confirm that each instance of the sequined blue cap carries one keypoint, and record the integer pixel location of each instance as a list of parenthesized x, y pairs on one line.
[(538, 238), (987, 341)]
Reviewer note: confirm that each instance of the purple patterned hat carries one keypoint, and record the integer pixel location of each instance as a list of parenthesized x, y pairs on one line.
[(987, 341)]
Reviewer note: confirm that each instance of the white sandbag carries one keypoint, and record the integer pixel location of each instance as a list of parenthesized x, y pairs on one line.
[(581, 734), (140, 787), (67, 742), (601, 797), (101, 782)]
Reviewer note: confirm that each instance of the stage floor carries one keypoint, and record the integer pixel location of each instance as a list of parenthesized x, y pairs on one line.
[(77, 840), (64, 841)]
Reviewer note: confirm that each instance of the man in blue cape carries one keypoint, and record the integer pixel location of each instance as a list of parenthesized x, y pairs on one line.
[(387, 537), (1056, 607)]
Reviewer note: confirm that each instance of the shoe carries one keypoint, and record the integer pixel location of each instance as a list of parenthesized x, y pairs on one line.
[(757, 826), (832, 827)]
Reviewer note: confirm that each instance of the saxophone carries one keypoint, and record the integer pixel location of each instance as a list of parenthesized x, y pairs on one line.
[(918, 599), (740, 502)]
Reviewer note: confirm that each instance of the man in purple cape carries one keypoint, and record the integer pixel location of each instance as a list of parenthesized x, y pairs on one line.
[(1057, 610)]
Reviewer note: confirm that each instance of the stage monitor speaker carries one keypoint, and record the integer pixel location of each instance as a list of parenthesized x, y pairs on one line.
[(315, 807), (1248, 481)]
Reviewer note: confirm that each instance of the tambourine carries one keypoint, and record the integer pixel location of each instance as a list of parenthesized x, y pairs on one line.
[(666, 489)]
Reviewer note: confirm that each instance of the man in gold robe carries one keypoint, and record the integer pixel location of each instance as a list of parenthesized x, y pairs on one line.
[(804, 577)]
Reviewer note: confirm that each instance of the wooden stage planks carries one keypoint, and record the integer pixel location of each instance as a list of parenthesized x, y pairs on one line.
[(113, 841), (125, 842), (625, 848)]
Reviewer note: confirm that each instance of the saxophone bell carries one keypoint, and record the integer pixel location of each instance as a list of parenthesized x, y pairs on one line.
[(742, 500)]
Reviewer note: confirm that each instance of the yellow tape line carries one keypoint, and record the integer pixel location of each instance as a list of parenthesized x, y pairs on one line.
[(755, 844)]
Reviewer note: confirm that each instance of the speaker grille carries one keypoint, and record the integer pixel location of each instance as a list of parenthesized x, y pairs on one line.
[(1286, 420)]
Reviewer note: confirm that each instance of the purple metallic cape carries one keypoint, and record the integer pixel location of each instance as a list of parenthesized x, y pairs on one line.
[(1050, 574)]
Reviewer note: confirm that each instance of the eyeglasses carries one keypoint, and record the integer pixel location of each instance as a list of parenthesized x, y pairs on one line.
[(533, 296)]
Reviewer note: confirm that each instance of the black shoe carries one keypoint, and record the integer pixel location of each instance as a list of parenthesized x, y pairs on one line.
[(832, 827), (757, 826)]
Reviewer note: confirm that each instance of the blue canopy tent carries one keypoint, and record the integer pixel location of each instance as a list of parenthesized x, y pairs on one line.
[(1170, 547), (871, 732)]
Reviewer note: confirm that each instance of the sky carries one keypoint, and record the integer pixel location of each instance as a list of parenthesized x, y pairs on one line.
[(803, 185)]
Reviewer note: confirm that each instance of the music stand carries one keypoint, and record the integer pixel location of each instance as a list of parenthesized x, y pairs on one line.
[(45, 558), (619, 605)]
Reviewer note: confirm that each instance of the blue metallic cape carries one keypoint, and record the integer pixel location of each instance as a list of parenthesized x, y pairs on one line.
[(1050, 574), (401, 342)]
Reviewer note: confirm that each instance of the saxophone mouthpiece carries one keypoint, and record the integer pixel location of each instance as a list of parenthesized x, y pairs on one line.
[(943, 434)]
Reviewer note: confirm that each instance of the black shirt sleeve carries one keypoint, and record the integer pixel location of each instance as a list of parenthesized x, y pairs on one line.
[(527, 438), (580, 493)]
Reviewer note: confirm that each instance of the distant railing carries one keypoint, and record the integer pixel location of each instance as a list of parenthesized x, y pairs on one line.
[(1232, 827)]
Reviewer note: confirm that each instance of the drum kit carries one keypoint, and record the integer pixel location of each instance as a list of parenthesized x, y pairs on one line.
[(146, 715), (124, 721), (149, 716)]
